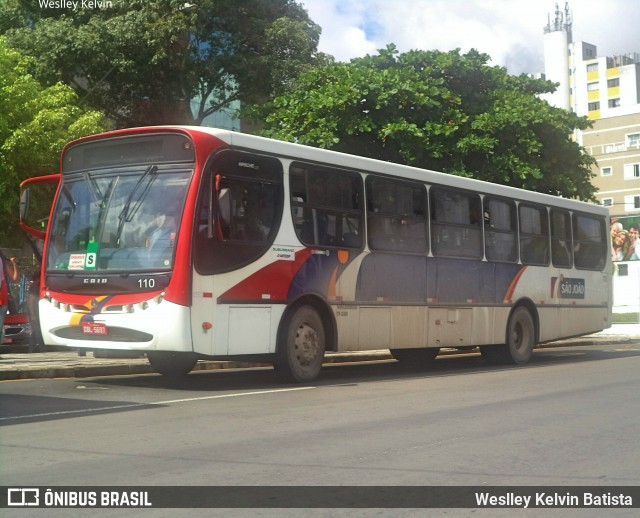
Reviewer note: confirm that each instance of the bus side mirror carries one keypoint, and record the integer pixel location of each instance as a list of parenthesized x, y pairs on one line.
[(36, 198), (24, 205)]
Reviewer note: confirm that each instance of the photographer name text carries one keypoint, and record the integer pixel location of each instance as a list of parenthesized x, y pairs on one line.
[(74, 5), (554, 500)]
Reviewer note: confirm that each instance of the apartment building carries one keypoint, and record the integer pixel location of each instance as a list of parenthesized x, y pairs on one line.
[(606, 89), (615, 143)]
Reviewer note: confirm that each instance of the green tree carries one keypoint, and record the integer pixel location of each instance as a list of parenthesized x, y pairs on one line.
[(446, 111), (143, 61), (35, 123)]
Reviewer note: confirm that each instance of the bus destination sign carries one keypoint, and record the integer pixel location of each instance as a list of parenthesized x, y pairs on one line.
[(571, 288)]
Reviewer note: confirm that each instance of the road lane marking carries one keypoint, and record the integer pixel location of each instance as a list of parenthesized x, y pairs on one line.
[(155, 403), (68, 412), (238, 394)]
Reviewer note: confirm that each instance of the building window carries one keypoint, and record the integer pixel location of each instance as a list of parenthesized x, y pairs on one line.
[(633, 140), (631, 203), (594, 106), (614, 103), (612, 83), (592, 87), (606, 171), (592, 67), (631, 171), (607, 202)]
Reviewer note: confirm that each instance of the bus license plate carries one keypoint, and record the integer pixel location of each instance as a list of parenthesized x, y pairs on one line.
[(94, 328)]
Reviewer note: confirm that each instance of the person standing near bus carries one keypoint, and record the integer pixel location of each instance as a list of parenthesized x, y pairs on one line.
[(8, 271)]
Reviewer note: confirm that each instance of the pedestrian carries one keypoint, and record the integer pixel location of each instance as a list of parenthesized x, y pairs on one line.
[(8, 271)]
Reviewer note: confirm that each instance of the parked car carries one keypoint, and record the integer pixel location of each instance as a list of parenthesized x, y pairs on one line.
[(17, 330)]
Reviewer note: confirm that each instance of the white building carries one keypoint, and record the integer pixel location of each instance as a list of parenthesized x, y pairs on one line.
[(606, 89), (595, 86)]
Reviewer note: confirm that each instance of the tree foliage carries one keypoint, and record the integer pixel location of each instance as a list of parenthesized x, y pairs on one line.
[(446, 111), (35, 123), (143, 61)]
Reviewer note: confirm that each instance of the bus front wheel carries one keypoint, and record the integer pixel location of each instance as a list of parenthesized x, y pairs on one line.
[(172, 364), (301, 346)]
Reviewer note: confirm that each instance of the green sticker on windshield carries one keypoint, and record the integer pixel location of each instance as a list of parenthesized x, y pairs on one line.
[(91, 259)]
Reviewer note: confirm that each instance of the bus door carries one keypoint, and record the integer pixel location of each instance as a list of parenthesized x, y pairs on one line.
[(239, 213)]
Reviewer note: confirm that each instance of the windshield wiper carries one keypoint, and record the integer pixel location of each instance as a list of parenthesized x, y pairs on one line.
[(96, 194), (127, 215)]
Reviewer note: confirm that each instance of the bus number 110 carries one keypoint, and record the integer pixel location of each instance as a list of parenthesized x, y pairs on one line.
[(147, 284)]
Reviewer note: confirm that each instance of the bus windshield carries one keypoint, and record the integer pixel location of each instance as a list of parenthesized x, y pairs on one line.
[(118, 219)]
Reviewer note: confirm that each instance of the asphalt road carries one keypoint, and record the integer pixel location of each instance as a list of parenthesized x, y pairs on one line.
[(569, 418)]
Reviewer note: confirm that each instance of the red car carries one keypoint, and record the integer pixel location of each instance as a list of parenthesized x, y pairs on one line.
[(17, 329)]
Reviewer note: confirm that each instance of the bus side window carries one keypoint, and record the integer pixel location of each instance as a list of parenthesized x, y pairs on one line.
[(396, 216), (455, 224), (239, 212), (590, 242), (561, 238), (326, 206), (500, 232), (534, 235)]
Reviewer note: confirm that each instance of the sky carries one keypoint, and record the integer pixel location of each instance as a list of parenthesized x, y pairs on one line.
[(510, 31)]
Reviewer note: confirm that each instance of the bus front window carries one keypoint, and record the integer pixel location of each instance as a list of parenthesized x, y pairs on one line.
[(117, 220)]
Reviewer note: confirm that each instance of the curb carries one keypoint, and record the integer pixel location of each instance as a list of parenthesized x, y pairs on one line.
[(119, 367)]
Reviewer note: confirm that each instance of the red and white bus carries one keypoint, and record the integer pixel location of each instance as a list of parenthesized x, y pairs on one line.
[(190, 243)]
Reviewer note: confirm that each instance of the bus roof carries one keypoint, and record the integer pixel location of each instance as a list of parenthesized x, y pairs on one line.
[(368, 165)]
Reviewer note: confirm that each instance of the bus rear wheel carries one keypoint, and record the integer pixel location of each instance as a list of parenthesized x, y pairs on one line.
[(172, 364), (415, 357), (301, 346), (520, 338)]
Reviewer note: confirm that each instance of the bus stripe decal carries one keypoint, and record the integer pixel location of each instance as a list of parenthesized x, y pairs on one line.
[(275, 279), (514, 283)]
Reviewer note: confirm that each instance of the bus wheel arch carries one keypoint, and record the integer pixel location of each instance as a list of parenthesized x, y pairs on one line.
[(306, 331)]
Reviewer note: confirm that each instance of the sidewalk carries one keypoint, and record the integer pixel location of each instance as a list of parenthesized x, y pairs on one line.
[(68, 364)]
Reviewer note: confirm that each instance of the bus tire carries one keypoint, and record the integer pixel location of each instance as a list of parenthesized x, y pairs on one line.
[(172, 364), (520, 337), (420, 357), (301, 346)]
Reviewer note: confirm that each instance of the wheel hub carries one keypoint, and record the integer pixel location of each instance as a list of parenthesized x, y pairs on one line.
[(306, 344)]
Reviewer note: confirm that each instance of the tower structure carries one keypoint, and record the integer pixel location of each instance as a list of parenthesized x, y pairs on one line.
[(557, 38)]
